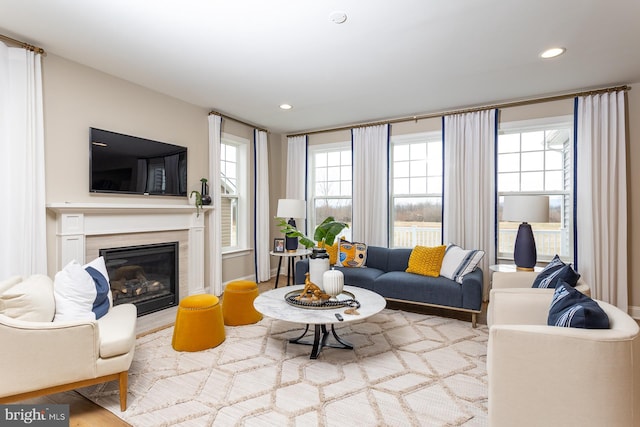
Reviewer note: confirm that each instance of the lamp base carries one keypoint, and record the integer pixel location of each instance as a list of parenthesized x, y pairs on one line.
[(291, 243), (524, 251)]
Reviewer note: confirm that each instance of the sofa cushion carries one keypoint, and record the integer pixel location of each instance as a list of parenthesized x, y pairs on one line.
[(457, 262), (352, 254), (360, 277), (413, 287), (398, 259), (426, 261), (30, 299), (555, 271), (571, 308)]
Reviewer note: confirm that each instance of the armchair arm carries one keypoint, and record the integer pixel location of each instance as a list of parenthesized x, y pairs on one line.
[(66, 351), (525, 279), (519, 306), (512, 279)]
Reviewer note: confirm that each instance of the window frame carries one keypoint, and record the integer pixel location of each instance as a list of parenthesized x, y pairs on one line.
[(408, 139), (242, 191), (567, 216), (312, 222)]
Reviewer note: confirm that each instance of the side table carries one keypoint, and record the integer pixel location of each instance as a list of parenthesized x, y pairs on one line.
[(291, 259)]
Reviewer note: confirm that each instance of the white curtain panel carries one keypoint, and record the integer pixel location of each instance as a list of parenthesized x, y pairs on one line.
[(469, 184), (262, 218), (296, 184), (23, 244), (370, 196), (214, 221), (601, 213), (296, 167)]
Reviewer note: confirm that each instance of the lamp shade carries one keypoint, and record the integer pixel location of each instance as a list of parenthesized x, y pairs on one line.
[(291, 208), (525, 208)]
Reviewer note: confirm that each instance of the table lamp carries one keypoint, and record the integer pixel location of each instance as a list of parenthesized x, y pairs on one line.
[(291, 208), (525, 209)]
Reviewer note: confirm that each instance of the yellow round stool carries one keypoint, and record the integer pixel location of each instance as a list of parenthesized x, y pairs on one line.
[(199, 323), (237, 303)]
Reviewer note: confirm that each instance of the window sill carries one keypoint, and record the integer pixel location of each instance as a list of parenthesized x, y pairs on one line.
[(235, 253)]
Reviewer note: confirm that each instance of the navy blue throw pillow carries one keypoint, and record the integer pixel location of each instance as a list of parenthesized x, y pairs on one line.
[(555, 271), (570, 308)]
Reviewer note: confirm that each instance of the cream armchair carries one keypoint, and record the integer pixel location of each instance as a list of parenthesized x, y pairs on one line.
[(46, 357), (543, 375)]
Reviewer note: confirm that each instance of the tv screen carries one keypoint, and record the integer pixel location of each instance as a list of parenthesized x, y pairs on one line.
[(128, 164)]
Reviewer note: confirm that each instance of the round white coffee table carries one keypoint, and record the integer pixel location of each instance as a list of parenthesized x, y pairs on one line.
[(273, 304)]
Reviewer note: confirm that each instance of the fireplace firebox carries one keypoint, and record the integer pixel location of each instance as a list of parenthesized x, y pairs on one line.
[(145, 275)]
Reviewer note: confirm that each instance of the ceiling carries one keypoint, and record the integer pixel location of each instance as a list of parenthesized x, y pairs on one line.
[(389, 59)]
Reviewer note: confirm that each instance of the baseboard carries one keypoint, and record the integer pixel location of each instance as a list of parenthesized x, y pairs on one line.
[(634, 312)]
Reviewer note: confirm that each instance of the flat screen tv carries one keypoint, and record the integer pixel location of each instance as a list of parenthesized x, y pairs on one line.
[(128, 164)]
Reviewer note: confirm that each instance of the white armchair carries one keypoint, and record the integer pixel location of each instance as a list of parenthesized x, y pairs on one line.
[(45, 357), (543, 375)]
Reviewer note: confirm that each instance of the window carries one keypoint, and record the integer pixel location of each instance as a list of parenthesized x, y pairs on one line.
[(416, 190), (536, 157), (234, 194), (330, 185)]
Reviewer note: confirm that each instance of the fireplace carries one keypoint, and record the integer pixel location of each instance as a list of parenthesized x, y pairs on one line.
[(145, 275)]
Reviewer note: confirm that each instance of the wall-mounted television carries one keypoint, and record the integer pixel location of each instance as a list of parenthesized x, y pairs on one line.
[(128, 164)]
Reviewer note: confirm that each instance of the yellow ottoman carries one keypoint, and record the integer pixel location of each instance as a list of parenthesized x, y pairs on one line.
[(237, 303), (199, 324)]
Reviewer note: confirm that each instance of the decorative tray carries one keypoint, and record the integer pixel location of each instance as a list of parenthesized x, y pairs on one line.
[(345, 299)]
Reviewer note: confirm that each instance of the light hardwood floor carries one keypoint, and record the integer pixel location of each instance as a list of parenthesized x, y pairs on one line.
[(85, 413)]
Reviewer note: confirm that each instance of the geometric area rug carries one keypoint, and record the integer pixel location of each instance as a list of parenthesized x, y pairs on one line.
[(406, 369)]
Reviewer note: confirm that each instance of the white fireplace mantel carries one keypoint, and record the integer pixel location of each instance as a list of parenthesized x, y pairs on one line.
[(76, 221)]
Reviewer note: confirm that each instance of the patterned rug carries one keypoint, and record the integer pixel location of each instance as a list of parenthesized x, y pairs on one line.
[(407, 369)]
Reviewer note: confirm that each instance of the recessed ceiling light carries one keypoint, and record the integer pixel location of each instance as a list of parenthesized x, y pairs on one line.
[(286, 106), (552, 53), (338, 17)]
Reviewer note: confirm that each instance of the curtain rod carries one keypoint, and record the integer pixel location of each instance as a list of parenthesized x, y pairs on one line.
[(471, 110), (24, 45), (237, 120)]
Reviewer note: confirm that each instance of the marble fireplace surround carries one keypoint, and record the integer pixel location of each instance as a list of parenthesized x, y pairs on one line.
[(82, 229)]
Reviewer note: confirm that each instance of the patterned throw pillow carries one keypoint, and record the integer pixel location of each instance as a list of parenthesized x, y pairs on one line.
[(426, 261), (572, 309), (457, 262), (98, 272), (555, 271), (352, 254)]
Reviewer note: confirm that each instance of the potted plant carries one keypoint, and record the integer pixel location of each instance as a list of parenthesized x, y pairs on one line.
[(325, 234)]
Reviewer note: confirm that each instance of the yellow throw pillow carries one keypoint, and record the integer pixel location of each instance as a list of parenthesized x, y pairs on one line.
[(426, 261), (331, 250)]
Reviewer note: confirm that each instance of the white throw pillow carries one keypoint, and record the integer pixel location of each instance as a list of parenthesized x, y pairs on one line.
[(457, 262), (75, 292), (30, 299)]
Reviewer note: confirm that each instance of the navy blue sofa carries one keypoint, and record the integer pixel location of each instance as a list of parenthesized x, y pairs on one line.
[(385, 274)]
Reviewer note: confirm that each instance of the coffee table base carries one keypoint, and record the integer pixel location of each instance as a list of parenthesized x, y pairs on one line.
[(320, 335)]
